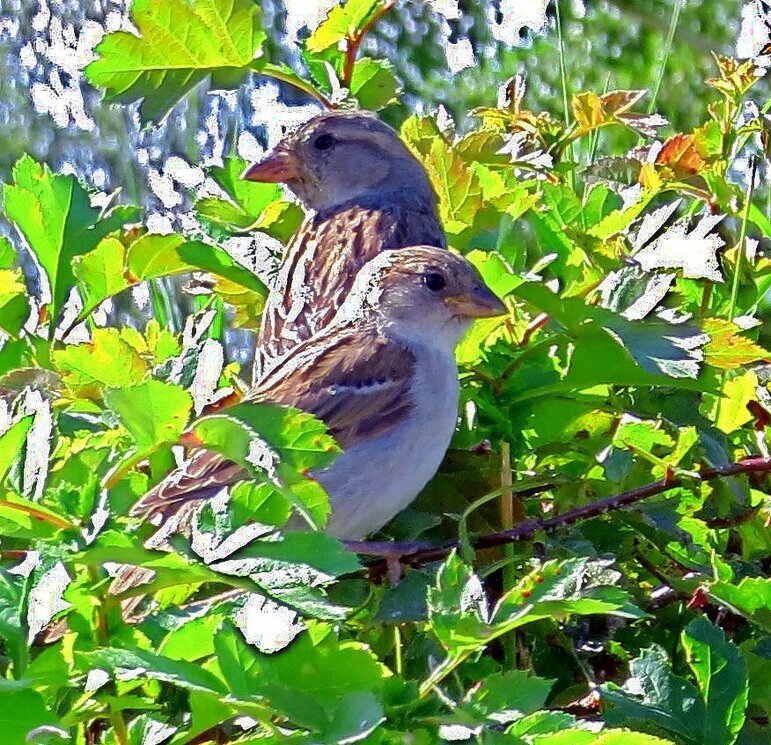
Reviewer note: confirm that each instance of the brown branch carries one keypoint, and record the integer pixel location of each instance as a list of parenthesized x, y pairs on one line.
[(527, 529), (354, 42)]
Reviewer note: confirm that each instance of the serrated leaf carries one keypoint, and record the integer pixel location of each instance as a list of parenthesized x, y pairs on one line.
[(307, 680), (732, 410), (344, 21), (54, 214), (108, 361), (132, 662), (727, 348), (153, 412), (721, 674), (681, 155), (751, 598), (179, 44), (252, 197), (100, 273), (456, 184), (298, 558)]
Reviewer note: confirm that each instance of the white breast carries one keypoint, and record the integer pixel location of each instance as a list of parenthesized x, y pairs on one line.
[(374, 480)]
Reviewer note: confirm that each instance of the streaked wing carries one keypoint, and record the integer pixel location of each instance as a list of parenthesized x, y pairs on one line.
[(358, 383), (204, 475), (351, 378), (321, 264)]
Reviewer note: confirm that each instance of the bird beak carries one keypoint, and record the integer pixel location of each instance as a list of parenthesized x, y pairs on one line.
[(479, 303), (279, 167)]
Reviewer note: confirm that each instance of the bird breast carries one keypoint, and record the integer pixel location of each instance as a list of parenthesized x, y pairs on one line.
[(374, 479)]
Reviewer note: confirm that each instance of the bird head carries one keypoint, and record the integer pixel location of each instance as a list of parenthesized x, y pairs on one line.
[(340, 157), (423, 293)]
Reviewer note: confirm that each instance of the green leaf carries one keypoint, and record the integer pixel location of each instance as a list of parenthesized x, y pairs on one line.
[(732, 410), (259, 503), (307, 681), (456, 184), (108, 361), (504, 697), (181, 674), (13, 626), (728, 348), (297, 558), (344, 21), (161, 255), (55, 216), (14, 306), (8, 256), (373, 83), (12, 441), (751, 598), (660, 701), (249, 433), (657, 700), (23, 711), (721, 674), (100, 273), (153, 412), (179, 44), (251, 196)]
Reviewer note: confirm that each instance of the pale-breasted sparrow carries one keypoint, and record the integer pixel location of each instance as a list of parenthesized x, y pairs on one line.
[(366, 193), (382, 376)]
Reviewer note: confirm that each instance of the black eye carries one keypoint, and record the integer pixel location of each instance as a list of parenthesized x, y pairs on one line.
[(434, 281), (324, 142)]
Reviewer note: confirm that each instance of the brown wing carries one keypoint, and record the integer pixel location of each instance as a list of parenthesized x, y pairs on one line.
[(357, 383), (352, 379), (321, 264)]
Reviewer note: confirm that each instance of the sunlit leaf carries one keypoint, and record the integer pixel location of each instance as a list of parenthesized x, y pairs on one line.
[(344, 21), (179, 44), (153, 412), (108, 361), (728, 348)]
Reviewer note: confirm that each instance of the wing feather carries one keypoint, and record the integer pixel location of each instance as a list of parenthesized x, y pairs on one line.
[(352, 379), (321, 264)]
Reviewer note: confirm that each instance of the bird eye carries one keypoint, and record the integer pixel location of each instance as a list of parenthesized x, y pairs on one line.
[(324, 142), (434, 281)]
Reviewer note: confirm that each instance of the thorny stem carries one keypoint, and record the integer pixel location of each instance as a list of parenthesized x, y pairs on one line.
[(354, 42), (527, 529)]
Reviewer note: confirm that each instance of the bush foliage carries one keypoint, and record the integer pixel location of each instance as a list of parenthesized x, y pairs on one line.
[(630, 369)]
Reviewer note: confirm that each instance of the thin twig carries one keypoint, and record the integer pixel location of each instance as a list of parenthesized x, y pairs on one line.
[(354, 42), (527, 529)]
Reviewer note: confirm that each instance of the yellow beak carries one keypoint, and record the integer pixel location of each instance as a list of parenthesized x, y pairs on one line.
[(479, 303), (280, 166)]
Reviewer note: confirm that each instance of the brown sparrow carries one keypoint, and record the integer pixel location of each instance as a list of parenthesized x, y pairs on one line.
[(382, 376), (366, 192)]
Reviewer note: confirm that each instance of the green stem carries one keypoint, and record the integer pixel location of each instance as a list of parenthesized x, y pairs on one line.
[(564, 84), (674, 20), (742, 236)]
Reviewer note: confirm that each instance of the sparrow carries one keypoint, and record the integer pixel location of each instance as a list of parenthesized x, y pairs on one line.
[(365, 193), (381, 375)]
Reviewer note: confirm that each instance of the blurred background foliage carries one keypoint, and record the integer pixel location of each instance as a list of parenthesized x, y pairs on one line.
[(48, 110)]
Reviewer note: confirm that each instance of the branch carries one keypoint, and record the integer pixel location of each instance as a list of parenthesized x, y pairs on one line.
[(354, 42), (527, 529)]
